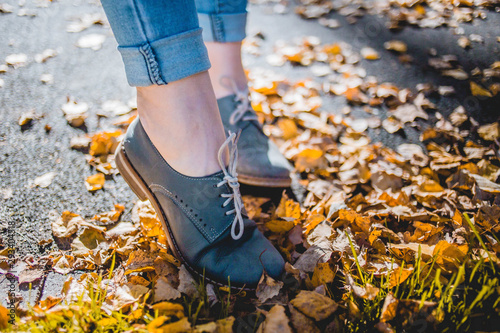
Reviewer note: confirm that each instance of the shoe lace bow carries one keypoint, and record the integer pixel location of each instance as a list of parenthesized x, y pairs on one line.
[(231, 179)]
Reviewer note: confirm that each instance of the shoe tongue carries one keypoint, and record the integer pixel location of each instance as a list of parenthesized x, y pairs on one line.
[(227, 105)]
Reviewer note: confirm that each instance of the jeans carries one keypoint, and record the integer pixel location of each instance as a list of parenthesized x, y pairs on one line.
[(161, 41)]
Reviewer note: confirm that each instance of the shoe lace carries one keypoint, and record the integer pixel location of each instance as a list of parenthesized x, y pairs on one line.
[(231, 178), (243, 103)]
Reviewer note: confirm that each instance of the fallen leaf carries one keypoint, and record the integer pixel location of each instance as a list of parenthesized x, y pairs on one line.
[(164, 291), (95, 182), (91, 41), (276, 321), (489, 132), (267, 287), (75, 113), (389, 308), (67, 224), (396, 46), (314, 305), (45, 180)]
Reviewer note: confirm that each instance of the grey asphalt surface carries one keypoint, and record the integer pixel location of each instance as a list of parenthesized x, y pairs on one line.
[(97, 76)]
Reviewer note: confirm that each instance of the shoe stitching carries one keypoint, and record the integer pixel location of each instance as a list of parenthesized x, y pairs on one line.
[(176, 249), (191, 217)]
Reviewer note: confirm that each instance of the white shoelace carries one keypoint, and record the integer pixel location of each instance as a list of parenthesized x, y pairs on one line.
[(231, 178), (241, 98)]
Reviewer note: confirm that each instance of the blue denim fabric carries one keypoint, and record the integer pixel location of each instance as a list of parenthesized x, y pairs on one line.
[(161, 41), (222, 20)]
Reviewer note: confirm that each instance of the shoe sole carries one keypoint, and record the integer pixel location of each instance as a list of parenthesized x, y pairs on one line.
[(139, 187), (264, 182)]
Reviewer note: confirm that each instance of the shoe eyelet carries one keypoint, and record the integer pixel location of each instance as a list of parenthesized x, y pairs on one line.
[(201, 220), (205, 225), (191, 210), (182, 201), (196, 215)]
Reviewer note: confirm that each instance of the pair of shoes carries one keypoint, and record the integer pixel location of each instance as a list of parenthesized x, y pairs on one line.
[(203, 217), (260, 163)]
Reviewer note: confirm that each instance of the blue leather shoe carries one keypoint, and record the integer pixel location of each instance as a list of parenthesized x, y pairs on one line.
[(260, 163), (203, 217)]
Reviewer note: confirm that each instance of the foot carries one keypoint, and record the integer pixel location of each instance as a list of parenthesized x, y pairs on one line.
[(183, 122), (260, 163), (203, 217)]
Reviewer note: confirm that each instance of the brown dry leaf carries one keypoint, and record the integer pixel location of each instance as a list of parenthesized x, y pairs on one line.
[(111, 216), (323, 274), (164, 291), (489, 132), (169, 309), (458, 116), (158, 325), (30, 275), (288, 208), (309, 158), (392, 125), (355, 220), (187, 284), (463, 42), (140, 261), (301, 322), (27, 117), (314, 305), (4, 317), (288, 127), (45, 180), (63, 264), (267, 287), (396, 46), (75, 113), (312, 221), (104, 143), (16, 60), (449, 256), (458, 74), (399, 276), (67, 224), (389, 308), (477, 90), (95, 182), (485, 184), (369, 53), (280, 226), (407, 113), (276, 321)]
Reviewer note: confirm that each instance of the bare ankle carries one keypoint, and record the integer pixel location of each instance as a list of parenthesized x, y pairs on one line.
[(226, 62)]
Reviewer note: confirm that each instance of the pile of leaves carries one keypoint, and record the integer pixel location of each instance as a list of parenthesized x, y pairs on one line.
[(421, 13), (384, 239)]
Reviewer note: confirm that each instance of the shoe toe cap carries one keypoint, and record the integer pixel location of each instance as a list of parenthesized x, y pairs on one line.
[(244, 260)]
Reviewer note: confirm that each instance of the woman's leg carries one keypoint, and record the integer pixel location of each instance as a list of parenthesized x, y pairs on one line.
[(223, 23), (162, 48), (260, 162)]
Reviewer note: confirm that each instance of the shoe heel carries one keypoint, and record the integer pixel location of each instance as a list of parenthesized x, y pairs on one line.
[(128, 173)]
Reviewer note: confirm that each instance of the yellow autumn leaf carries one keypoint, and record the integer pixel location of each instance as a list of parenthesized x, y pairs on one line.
[(280, 226), (450, 256), (288, 208), (95, 182), (398, 276), (323, 274), (477, 90)]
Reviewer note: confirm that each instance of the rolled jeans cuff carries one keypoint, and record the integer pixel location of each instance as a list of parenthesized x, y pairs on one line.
[(165, 60), (223, 28)]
